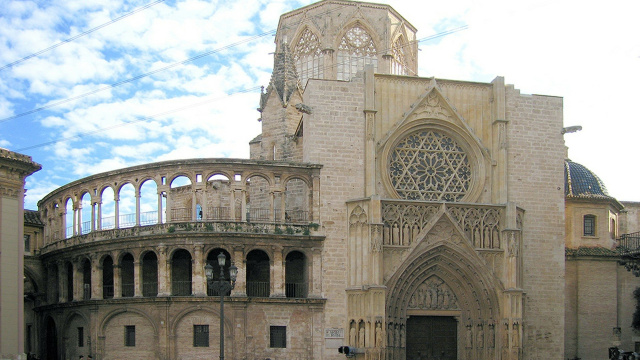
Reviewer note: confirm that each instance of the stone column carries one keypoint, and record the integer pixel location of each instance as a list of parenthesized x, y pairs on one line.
[(77, 280), (137, 195), (62, 282), (116, 221), (117, 281), (159, 207), (241, 281), (78, 215), (277, 271), (315, 289), (163, 272), (93, 216), (137, 279), (199, 280), (99, 222), (96, 278)]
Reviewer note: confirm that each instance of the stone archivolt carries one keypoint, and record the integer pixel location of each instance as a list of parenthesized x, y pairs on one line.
[(433, 294)]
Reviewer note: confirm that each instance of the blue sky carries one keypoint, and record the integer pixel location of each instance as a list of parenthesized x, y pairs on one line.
[(588, 54)]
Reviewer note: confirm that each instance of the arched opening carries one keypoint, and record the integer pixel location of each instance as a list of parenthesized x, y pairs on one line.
[(258, 200), (212, 259), (85, 213), (296, 201), (181, 199), (126, 275), (127, 206), (148, 203), (69, 281), (107, 278), (68, 218), (258, 274), (199, 212), (181, 273), (51, 340), (218, 188), (86, 279), (308, 57), (108, 209), (53, 289), (296, 276), (150, 274)]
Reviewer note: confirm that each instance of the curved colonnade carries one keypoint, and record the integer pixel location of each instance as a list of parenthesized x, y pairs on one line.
[(146, 283)]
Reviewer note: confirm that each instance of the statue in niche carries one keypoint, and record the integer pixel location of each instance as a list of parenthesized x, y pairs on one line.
[(352, 334), (378, 335), (513, 245), (361, 337), (390, 334), (505, 335), (401, 333), (515, 336), (469, 337), (492, 336), (480, 337)]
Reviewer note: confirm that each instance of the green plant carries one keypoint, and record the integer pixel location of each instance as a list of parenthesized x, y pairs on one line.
[(171, 229), (278, 230), (209, 227), (314, 226), (289, 230), (306, 231)]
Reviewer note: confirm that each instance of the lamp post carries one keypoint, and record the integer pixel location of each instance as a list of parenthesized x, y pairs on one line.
[(221, 286)]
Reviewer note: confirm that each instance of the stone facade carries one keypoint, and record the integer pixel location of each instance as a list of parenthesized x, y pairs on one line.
[(407, 217)]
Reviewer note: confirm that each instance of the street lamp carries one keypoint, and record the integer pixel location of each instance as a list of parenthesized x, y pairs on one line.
[(221, 286)]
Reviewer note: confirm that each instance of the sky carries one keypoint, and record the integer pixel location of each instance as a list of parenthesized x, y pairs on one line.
[(177, 79)]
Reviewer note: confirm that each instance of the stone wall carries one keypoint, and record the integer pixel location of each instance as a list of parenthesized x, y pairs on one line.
[(536, 184)]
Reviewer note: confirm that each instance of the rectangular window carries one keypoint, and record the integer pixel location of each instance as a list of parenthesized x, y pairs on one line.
[(589, 225), (278, 337), (130, 335), (200, 335), (80, 337), (27, 243)]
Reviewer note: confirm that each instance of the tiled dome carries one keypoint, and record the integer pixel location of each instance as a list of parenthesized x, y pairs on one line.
[(580, 182)]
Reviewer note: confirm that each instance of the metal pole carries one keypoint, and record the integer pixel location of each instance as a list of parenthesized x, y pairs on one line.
[(222, 290)]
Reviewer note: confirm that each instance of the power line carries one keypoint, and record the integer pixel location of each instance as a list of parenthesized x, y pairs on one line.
[(431, 37), (80, 35), (138, 77), (145, 118)]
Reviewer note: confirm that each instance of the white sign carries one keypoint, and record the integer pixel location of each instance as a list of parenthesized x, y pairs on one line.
[(334, 333)]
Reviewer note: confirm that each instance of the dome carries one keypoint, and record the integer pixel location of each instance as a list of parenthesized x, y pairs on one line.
[(580, 182)]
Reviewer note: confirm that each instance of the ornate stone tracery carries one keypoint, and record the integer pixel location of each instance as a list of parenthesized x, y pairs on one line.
[(307, 55), (355, 50), (429, 165), (433, 294)]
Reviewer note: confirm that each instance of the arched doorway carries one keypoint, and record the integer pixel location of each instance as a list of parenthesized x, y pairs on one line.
[(442, 304), (51, 341)]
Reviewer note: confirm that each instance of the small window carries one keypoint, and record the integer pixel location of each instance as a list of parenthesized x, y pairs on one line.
[(130, 335), (80, 337), (278, 337), (200, 335), (589, 225), (27, 243)]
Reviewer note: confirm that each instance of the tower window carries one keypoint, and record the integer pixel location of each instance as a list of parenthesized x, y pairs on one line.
[(589, 225)]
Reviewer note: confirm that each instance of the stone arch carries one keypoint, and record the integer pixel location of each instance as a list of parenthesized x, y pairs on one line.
[(72, 322), (307, 53), (345, 60), (200, 315), (448, 266), (110, 335)]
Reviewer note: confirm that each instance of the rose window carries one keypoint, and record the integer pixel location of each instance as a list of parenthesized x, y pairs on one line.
[(431, 166)]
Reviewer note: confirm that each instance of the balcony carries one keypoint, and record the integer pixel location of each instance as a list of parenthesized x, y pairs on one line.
[(221, 194)]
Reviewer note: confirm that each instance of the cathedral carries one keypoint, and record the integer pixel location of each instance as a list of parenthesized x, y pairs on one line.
[(405, 217)]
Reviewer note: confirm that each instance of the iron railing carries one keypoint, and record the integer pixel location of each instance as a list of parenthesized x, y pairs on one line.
[(629, 244), (181, 288), (128, 290), (258, 288), (150, 289), (107, 291), (296, 290)]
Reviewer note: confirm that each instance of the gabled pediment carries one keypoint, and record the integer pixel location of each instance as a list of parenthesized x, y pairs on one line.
[(435, 107)]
